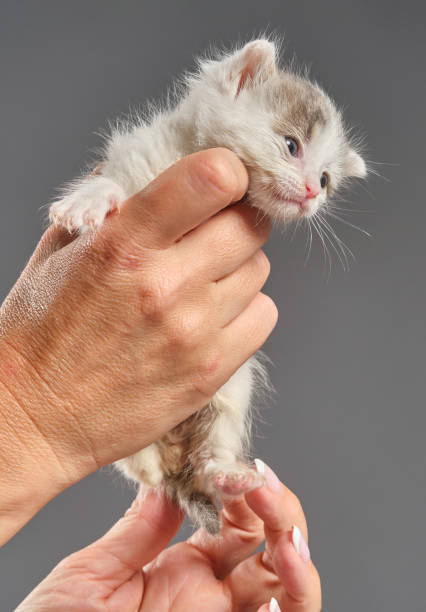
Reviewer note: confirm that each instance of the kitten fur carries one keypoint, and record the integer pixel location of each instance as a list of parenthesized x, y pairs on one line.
[(244, 101)]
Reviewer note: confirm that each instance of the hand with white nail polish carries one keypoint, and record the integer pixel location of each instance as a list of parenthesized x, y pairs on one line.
[(129, 569)]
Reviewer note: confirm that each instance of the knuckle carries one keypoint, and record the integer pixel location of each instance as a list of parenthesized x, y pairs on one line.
[(213, 168), (206, 380), (184, 331), (155, 298)]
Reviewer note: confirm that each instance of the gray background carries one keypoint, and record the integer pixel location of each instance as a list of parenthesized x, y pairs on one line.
[(346, 430)]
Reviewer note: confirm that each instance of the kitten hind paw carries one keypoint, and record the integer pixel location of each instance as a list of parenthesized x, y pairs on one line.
[(238, 481)]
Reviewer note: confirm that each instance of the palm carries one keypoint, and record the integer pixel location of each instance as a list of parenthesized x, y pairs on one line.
[(191, 576)]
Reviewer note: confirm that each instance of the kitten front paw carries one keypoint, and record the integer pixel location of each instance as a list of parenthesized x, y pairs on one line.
[(238, 480), (87, 206), (75, 215)]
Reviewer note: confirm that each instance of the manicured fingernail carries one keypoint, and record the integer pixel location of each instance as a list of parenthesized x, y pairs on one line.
[(299, 543), (273, 605), (271, 478)]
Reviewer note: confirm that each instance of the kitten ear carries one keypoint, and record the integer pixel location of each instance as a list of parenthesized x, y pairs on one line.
[(355, 165), (253, 64)]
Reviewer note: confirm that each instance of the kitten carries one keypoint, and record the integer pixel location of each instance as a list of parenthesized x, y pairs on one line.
[(291, 138)]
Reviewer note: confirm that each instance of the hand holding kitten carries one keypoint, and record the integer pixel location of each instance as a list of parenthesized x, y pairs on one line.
[(108, 340)]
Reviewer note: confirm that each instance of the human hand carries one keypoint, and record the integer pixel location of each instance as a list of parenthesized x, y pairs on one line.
[(110, 339), (213, 574)]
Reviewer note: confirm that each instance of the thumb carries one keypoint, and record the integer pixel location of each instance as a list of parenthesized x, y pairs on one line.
[(143, 532), (111, 566)]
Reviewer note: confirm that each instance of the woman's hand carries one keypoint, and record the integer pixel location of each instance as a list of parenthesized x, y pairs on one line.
[(110, 339), (204, 573)]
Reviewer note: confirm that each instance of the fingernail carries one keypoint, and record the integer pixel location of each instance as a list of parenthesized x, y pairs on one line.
[(271, 478), (299, 543), (273, 605)]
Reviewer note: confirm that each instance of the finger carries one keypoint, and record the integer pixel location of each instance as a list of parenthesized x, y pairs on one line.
[(276, 505), (219, 246), (254, 324), (182, 197), (287, 576), (241, 534), (242, 286), (138, 537), (292, 564)]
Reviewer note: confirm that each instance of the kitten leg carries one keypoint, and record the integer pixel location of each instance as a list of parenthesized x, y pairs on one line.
[(87, 203), (219, 470), (144, 466)]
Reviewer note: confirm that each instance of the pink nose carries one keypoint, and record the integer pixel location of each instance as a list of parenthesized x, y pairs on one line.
[(311, 191)]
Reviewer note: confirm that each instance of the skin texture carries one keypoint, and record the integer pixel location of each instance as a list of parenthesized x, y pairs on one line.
[(203, 573), (110, 339)]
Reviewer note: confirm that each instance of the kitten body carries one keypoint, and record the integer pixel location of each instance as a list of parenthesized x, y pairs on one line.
[(291, 138)]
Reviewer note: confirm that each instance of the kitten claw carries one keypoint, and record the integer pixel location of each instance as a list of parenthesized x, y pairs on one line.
[(90, 220), (70, 225)]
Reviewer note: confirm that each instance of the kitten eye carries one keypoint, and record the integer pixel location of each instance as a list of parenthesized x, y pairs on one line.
[(324, 180), (292, 146)]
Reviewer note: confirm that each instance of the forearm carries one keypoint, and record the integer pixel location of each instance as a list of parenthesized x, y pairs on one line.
[(31, 472)]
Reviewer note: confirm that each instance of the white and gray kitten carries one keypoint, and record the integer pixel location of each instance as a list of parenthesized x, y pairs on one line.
[(291, 138)]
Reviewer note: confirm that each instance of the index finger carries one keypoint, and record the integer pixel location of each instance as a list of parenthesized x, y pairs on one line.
[(186, 194)]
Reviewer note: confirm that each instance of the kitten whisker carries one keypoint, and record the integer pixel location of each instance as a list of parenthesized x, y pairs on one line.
[(346, 222), (367, 191), (327, 256), (338, 208), (343, 247), (337, 248), (260, 216), (308, 242)]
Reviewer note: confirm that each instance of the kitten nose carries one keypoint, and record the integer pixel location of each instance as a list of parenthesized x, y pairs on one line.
[(311, 191)]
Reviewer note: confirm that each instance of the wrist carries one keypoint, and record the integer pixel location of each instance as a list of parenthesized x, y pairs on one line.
[(33, 466)]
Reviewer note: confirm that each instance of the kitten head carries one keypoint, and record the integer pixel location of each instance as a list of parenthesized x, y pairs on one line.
[(286, 130)]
